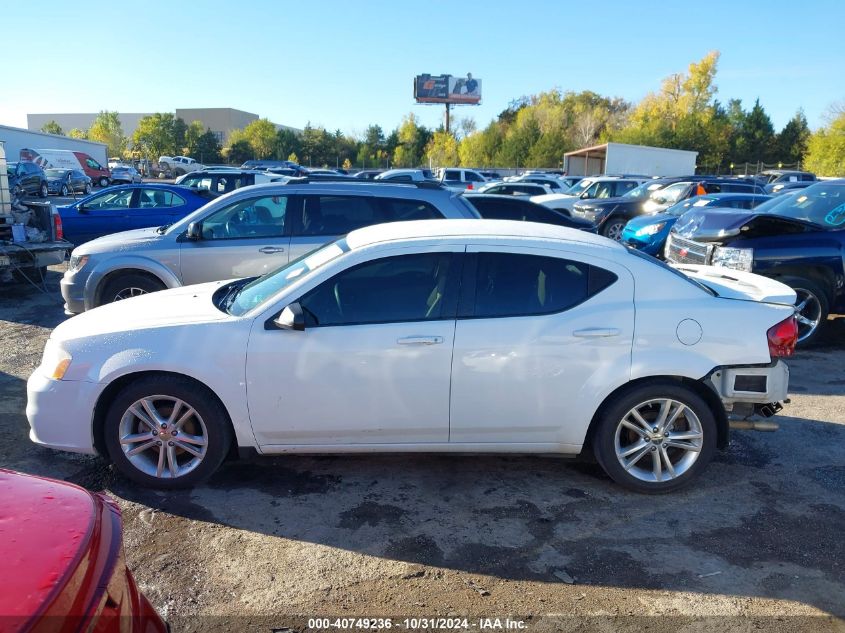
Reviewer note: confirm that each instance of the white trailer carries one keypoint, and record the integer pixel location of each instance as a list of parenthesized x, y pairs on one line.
[(18, 138), (619, 158)]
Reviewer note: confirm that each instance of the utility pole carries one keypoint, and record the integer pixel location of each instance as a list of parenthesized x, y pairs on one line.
[(447, 118)]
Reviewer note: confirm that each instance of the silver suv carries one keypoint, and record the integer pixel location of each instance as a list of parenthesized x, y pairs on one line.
[(245, 233)]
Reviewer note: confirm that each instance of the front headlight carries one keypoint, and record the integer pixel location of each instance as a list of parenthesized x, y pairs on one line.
[(651, 229), (77, 262), (55, 361), (736, 258)]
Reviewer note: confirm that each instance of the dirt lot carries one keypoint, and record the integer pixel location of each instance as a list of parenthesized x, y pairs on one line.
[(758, 543)]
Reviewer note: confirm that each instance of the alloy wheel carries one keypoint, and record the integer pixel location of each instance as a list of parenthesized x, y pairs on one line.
[(128, 293), (614, 231), (808, 313), (658, 440), (163, 436)]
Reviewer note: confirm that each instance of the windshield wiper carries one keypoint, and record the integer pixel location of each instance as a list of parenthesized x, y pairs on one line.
[(160, 230)]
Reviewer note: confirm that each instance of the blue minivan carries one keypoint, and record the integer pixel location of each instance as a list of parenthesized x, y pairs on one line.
[(126, 207)]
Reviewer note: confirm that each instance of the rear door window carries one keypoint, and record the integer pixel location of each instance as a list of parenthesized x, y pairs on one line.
[(157, 198), (337, 215), (252, 218), (398, 210)]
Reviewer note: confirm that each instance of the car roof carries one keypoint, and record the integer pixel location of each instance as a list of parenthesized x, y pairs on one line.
[(729, 194), (474, 230)]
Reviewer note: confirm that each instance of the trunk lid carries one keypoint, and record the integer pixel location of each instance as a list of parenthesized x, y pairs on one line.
[(743, 286)]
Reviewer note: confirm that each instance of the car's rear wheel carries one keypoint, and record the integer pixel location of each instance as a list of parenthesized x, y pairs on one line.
[(42, 191), (126, 286), (613, 229), (811, 308), (104, 182), (87, 188), (656, 437), (166, 432), (64, 190)]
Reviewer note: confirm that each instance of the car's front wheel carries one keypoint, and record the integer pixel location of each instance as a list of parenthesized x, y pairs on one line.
[(43, 191), (64, 190), (656, 437), (613, 229), (166, 432), (104, 182), (87, 188), (128, 285)]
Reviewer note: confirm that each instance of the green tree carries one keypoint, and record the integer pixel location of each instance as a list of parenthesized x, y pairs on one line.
[(756, 139), (77, 133), (159, 134), (442, 150), (261, 135), (292, 157), (207, 148), (791, 143), (826, 149), (411, 140), (287, 142), (193, 133), (51, 127), (239, 152), (107, 129)]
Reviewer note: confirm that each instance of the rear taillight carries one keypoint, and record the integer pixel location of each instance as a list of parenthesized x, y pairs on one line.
[(57, 224), (469, 186), (782, 338)]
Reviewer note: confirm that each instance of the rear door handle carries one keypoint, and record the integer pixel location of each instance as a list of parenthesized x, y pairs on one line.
[(420, 340), (271, 249), (597, 332)]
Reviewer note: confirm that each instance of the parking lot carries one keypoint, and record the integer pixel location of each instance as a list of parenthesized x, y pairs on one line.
[(756, 542)]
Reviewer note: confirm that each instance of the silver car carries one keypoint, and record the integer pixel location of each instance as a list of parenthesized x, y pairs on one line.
[(246, 233)]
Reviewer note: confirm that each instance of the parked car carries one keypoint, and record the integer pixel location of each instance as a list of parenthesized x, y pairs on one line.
[(600, 187), (648, 233), (522, 335), (406, 175), (498, 207), (220, 181), (67, 159), (26, 178), (667, 196), (775, 179), (783, 187), (121, 174), (65, 181), (555, 184), (249, 231), (178, 165), (797, 238), (63, 567), (121, 208), (460, 179), (368, 174), (268, 163), (491, 175), (514, 189)]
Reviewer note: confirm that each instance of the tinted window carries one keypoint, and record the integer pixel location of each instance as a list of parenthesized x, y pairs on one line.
[(256, 217), (157, 198), (388, 290), (397, 210), (807, 177), (509, 284), (473, 177), (452, 174), (400, 178), (337, 215), (739, 188), (624, 187)]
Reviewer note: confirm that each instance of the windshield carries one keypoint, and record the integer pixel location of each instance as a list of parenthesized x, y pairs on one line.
[(577, 188), (10, 168), (257, 292), (643, 190), (684, 205), (822, 204), (55, 173), (670, 194)]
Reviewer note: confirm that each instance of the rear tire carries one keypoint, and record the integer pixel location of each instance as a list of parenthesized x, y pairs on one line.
[(43, 191), (181, 445), (128, 285), (87, 189), (613, 229), (104, 182), (638, 452), (812, 309), (64, 191)]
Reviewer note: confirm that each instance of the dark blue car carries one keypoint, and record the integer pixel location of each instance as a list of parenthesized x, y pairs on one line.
[(648, 233), (127, 207)]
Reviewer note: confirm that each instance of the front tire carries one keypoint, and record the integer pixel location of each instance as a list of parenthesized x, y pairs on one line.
[(166, 432), (64, 191), (43, 190), (656, 437), (128, 285), (104, 182), (87, 189), (613, 229)]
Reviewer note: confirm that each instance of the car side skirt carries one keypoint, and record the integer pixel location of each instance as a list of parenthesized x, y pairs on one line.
[(454, 447)]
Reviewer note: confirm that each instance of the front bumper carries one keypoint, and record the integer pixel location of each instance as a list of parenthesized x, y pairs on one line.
[(60, 413), (72, 286), (751, 385)]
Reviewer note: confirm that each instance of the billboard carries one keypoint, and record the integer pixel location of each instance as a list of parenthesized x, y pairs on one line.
[(447, 89)]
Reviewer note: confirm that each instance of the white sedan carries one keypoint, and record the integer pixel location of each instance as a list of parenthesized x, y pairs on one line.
[(453, 336)]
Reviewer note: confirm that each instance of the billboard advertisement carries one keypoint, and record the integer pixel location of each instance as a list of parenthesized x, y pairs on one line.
[(447, 89)]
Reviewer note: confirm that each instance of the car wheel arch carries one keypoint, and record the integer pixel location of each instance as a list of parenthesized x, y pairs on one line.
[(107, 396), (97, 282), (699, 387)]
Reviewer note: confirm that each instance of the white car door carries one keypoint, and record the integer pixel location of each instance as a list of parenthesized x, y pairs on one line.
[(538, 338), (246, 238), (372, 365)]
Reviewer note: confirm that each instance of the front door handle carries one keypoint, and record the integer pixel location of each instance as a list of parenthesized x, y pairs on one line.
[(269, 250), (597, 332), (420, 340)]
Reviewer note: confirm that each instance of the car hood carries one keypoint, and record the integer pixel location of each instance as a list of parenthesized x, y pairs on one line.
[(736, 284), (646, 220), (714, 223), (123, 241), (168, 308), (551, 197)]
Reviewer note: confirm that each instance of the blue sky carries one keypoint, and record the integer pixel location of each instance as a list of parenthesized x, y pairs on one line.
[(348, 64)]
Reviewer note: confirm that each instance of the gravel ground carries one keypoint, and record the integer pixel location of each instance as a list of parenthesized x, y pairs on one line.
[(551, 543)]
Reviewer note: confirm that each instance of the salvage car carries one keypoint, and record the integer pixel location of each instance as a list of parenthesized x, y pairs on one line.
[(797, 238), (122, 208), (61, 561), (429, 336), (65, 181)]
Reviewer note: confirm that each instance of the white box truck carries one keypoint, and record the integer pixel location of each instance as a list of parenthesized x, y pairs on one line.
[(612, 159)]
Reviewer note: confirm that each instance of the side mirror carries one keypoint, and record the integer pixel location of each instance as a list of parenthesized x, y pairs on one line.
[(291, 318), (194, 231), (584, 196), (82, 208)]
